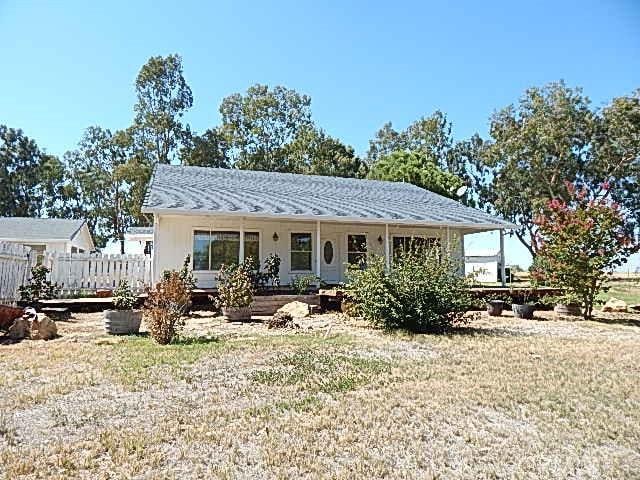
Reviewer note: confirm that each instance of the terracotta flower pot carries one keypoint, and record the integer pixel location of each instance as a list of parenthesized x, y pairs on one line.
[(237, 314), (122, 322), (494, 308), (523, 311)]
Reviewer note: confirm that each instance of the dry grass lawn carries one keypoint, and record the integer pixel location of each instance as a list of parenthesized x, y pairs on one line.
[(502, 398)]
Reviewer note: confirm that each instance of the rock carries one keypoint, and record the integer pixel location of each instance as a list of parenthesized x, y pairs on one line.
[(43, 329), (19, 329), (614, 305), (281, 320), (635, 308), (296, 309)]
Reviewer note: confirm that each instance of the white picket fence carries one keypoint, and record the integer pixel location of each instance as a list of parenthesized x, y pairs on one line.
[(87, 272), (14, 270)]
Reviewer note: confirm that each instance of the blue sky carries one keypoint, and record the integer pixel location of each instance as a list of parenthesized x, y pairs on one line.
[(68, 65)]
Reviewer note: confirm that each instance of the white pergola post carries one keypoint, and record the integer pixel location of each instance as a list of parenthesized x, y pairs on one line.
[(387, 256), (448, 241), (241, 259), (318, 251), (503, 269)]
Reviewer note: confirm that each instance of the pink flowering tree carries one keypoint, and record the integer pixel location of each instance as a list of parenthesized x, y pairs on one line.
[(581, 242)]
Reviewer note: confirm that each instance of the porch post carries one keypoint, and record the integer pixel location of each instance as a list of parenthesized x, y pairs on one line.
[(241, 259), (154, 258), (318, 251), (503, 269), (448, 241), (387, 257)]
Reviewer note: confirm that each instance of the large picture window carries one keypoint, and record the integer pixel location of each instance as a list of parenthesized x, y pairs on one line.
[(211, 249), (301, 251), (356, 249)]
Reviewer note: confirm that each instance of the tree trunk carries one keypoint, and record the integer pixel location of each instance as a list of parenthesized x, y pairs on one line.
[(122, 246)]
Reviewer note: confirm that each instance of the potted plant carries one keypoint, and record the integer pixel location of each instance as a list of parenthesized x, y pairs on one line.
[(235, 292), (525, 309), (495, 305), (124, 319), (566, 305)]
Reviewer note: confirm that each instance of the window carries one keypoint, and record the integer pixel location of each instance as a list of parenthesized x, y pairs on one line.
[(404, 244), (38, 251), (225, 249), (201, 250), (300, 252), (211, 249), (252, 245), (356, 249), (328, 252)]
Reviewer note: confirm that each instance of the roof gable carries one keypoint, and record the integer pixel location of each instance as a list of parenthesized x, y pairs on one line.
[(39, 229), (186, 189)]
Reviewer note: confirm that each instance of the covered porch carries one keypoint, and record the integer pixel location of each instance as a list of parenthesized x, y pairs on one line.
[(320, 247)]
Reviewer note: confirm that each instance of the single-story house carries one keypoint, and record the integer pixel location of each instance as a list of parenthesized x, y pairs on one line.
[(47, 234), (139, 240), (317, 225)]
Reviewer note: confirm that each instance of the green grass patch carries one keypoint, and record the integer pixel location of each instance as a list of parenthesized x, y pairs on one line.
[(627, 290), (316, 371), (133, 359)]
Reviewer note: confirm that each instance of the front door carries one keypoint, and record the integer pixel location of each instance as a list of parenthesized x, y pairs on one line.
[(330, 259)]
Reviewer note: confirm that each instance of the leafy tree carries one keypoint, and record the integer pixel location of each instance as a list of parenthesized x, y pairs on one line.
[(210, 149), (30, 180), (617, 150), (535, 147), (416, 168), (314, 152), (581, 242), (553, 136), (261, 124), (100, 183), (163, 97)]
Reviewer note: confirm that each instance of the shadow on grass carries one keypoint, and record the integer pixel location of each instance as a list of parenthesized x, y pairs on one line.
[(627, 322)]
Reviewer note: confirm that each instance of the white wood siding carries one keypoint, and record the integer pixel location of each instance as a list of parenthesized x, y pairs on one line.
[(174, 240)]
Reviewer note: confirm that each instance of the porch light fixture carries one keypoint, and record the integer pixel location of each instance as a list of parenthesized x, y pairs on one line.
[(380, 239), (275, 236)]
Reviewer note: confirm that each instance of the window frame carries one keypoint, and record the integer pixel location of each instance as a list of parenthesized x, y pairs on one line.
[(313, 250), (222, 229), (346, 248)]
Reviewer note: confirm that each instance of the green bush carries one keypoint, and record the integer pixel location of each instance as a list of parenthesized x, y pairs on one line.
[(39, 287), (235, 287), (301, 283), (123, 296), (421, 293)]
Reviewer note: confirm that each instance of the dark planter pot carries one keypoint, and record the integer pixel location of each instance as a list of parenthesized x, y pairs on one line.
[(523, 311), (494, 308), (122, 322), (571, 310), (237, 314)]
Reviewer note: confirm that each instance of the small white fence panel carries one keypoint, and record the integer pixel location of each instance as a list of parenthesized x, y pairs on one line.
[(84, 272), (14, 269)]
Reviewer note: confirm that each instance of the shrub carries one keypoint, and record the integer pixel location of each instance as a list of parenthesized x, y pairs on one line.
[(39, 287), (281, 320), (185, 274), (421, 293), (272, 269), (123, 296), (235, 287), (580, 243), (165, 307), (301, 283)]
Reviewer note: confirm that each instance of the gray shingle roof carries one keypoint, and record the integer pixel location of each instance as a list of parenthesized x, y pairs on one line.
[(140, 231), (24, 228), (180, 189)]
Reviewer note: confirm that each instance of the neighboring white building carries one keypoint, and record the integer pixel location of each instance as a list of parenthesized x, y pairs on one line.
[(484, 265), (315, 224), (47, 234), (139, 240)]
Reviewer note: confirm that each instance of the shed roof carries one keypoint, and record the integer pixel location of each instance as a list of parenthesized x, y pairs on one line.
[(201, 190), (32, 229)]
